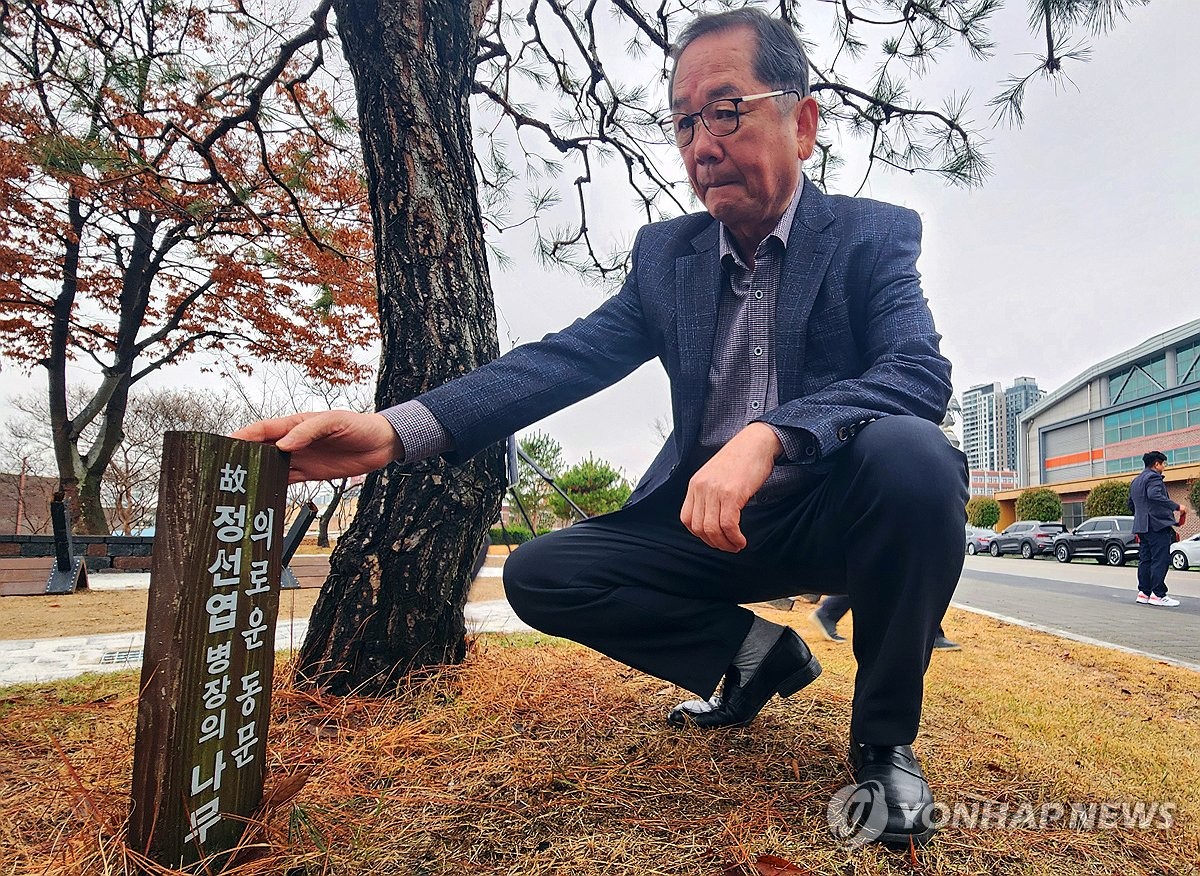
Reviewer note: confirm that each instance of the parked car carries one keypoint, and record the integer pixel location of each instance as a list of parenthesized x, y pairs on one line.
[(979, 539), (1109, 540), (1186, 554), (1029, 538)]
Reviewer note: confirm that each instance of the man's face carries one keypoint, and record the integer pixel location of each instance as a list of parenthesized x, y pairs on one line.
[(1159, 466), (747, 178)]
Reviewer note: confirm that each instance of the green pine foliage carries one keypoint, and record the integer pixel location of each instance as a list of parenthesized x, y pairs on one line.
[(595, 485), (533, 490)]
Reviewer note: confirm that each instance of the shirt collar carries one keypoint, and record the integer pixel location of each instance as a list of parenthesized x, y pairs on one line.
[(780, 232)]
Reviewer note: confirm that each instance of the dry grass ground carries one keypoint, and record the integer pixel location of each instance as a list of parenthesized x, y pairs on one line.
[(540, 757)]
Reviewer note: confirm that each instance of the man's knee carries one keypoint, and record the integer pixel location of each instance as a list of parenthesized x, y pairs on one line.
[(910, 462), (536, 580), (522, 581)]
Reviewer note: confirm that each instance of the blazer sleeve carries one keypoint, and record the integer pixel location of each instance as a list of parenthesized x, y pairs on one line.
[(905, 373), (1157, 492), (536, 379)]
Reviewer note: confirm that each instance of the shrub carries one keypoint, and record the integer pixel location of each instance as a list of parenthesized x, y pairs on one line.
[(1107, 497), (1039, 503), (1193, 496), (516, 534), (983, 511)]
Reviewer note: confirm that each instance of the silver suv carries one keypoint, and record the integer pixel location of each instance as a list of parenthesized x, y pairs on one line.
[(1029, 538)]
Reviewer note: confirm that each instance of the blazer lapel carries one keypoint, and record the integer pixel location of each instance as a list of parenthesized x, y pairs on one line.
[(697, 299), (810, 248)]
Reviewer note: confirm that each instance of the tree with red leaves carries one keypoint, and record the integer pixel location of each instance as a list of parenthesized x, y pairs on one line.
[(175, 179)]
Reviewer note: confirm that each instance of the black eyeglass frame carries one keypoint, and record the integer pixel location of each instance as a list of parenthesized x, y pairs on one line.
[(670, 124)]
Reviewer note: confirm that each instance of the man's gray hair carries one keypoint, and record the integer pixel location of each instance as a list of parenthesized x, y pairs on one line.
[(780, 61)]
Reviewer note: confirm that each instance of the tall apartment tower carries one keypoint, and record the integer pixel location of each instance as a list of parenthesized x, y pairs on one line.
[(1024, 393), (983, 430)]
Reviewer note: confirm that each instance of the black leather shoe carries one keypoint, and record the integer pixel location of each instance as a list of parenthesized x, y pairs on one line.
[(786, 668), (895, 777)]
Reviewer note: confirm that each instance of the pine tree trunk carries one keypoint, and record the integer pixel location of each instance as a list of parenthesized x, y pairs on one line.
[(399, 575)]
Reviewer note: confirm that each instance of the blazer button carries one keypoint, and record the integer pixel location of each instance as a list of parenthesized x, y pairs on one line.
[(810, 450), (842, 434)]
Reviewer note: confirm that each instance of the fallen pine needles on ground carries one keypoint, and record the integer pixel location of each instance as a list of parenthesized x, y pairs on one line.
[(538, 757)]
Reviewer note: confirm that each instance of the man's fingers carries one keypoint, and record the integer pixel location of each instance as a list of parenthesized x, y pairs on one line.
[(713, 517), (688, 509), (725, 533), (731, 529), (713, 536), (305, 432), (268, 431)]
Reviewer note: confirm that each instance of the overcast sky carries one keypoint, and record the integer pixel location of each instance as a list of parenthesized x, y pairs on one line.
[(1080, 245)]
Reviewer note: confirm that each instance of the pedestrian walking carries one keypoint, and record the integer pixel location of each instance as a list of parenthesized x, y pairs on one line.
[(834, 607), (1154, 524)]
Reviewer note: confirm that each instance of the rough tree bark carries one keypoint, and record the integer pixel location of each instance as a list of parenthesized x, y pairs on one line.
[(381, 614)]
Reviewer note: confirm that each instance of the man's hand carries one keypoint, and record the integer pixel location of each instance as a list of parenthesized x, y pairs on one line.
[(717, 493), (328, 444)]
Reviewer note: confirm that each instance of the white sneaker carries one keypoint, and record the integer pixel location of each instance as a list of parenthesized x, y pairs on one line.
[(1143, 598), (1166, 601)]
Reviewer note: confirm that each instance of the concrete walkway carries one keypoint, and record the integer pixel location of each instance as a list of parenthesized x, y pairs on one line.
[(25, 661)]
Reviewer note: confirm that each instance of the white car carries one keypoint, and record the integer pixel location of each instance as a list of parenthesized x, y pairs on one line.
[(1186, 553)]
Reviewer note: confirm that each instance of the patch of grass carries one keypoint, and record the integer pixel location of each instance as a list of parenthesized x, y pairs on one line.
[(523, 640), (538, 756)]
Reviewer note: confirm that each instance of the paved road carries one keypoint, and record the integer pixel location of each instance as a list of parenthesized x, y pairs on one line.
[(1088, 602)]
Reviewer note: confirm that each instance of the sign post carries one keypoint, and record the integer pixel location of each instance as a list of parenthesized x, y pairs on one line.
[(204, 707)]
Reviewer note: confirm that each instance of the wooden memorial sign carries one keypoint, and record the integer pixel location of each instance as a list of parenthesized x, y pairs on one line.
[(200, 754)]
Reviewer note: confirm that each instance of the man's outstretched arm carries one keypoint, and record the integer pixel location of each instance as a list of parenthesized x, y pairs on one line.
[(326, 445)]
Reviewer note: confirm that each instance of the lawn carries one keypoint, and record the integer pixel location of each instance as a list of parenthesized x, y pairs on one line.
[(540, 757)]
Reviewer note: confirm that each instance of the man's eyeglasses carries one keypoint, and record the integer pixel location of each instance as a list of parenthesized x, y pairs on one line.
[(721, 117)]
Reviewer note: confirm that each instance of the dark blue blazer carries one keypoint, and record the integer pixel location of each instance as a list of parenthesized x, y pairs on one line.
[(1152, 508), (855, 339)]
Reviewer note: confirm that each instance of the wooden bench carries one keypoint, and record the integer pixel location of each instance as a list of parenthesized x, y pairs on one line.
[(311, 570), (40, 576), (306, 570)]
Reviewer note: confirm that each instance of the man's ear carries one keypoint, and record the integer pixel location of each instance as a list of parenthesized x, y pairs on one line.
[(806, 126)]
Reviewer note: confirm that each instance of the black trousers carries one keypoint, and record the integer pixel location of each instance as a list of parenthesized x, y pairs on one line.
[(1154, 558), (884, 526)]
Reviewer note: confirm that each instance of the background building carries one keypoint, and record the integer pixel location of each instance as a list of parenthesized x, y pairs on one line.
[(988, 482), (25, 504), (1019, 397), (991, 419), (1099, 424), (982, 417)]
